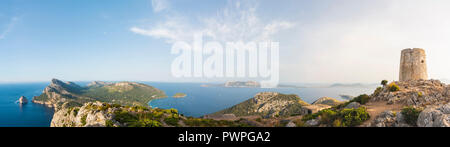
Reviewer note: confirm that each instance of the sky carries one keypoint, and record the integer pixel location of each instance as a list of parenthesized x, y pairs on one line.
[(321, 41)]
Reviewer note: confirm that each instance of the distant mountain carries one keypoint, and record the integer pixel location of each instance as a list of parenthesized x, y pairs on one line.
[(241, 84), (352, 85), (125, 93)]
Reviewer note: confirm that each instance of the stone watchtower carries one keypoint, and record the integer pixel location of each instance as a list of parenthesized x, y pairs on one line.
[(413, 65)]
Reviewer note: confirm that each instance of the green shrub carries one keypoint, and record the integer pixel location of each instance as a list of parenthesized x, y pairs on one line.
[(393, 87), (384, 82), (362, 99), (171, 121), (328, 116), (378, 91), (83, 120), (337, 123), (340, 118), (198, 122), (411, 115), (109, 123), (354, 117), (75, 111), (311, 116)]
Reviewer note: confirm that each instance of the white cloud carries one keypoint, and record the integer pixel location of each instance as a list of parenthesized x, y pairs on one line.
[(236, 22), (160, 5), (9, 27)]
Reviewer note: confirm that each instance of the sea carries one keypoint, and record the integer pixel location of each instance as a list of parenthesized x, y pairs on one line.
[(200, 100)]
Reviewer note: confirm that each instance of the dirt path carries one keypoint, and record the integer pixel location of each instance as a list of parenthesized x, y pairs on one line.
[(375, 108)]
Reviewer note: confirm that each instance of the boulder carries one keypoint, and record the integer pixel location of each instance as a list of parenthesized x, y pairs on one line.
[(353, 105), (313, 122), (385, 119), (435, 116), (389, 119), (23, 100), (291, 124)]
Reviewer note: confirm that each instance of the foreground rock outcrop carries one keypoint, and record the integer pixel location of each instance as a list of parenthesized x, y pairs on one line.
[(267, 104), (419, 93), (84, 116), (98, 114), (436, 116)]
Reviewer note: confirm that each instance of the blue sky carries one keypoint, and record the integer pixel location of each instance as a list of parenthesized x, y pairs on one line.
[(320, 41)]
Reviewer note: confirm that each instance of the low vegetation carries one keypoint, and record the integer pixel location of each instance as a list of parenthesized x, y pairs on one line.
[(393, 87), (199, 122), (362, 99), (378, 91), (384, 82), (247, 108), (340, 118), (411, 115)]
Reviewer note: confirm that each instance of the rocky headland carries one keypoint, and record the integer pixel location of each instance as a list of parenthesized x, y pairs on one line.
[(126, 93)]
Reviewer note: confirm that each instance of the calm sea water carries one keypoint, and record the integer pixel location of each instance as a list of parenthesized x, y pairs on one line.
[(198, 102), (205, 100), (13, 114)]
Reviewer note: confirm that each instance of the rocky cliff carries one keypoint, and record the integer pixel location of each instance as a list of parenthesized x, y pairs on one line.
[(271, 104), (98, 114), (126, 93), (268, 104), (418, 93), (422, 103)]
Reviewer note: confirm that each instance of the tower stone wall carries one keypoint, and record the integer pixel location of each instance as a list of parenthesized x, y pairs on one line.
[(413, 65)]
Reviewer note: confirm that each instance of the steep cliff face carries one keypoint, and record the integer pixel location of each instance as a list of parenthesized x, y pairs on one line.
[(58, 92)]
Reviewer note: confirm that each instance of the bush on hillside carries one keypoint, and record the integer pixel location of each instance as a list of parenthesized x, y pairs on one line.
[(411, 115), (393, 87)]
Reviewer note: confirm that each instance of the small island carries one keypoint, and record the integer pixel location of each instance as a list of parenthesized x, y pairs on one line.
[(179, 95), (22, 100)]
